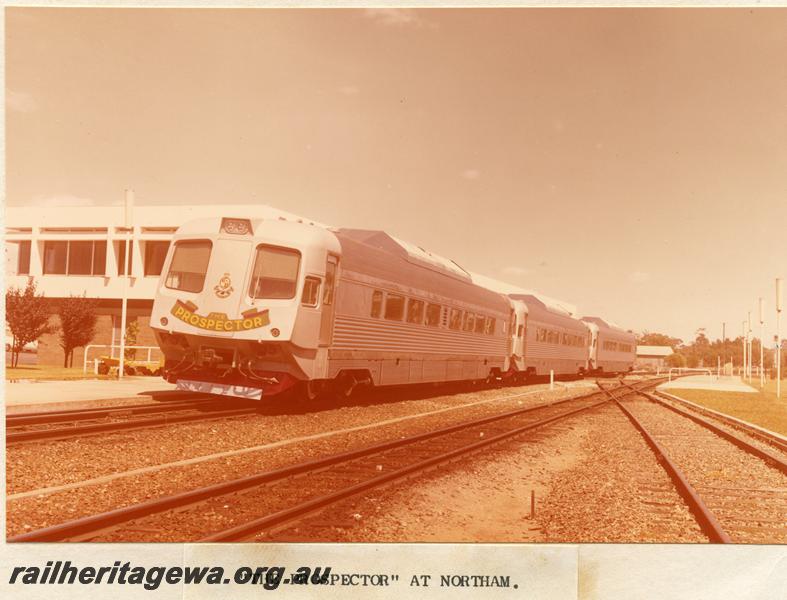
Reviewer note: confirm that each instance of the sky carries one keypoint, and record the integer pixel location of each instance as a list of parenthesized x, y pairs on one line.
[(632, 162)]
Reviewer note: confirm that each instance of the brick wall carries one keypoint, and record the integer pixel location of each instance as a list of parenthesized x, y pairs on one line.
[(51, 353)]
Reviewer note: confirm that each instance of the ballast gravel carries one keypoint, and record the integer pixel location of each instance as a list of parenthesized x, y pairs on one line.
[(36, 466)]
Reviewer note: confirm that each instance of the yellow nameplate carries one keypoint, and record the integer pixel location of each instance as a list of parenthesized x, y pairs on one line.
[(252, 319)]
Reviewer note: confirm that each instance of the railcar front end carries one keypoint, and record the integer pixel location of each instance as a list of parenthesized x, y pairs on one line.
[(242, 304)]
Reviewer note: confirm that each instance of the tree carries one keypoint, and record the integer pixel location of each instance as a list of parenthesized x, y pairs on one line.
[(675, 360), (658, 339), (27, 316), (77, 324), (132, 331)]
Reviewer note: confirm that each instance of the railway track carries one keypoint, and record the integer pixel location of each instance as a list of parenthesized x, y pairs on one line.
[(246, 508), (767, 437), (713, 469), (67, 424)]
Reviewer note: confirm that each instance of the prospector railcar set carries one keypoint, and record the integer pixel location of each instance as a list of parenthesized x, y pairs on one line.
[(251, 307)]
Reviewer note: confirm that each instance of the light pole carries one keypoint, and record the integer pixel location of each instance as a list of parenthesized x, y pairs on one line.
[(745, 357), (748, 345), (762, 344), (779, 294), (128, 206)]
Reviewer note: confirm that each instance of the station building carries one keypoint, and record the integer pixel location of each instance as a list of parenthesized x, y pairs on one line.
[(76, 250), (652, 357)]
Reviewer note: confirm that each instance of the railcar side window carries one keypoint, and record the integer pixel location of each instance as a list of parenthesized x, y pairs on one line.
[(456, 319), (311, 291), (469, 322), (189, 266), (490, 325), (433, 315), (394, 307), (415, 311), (480, 323), (275, 274), (377, 303), (521, 331)]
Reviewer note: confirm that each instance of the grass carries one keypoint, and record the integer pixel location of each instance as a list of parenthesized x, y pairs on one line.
[(49, 373), (762, 408)]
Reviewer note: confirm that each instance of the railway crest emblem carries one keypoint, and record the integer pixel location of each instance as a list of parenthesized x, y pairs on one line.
[(224, 288)]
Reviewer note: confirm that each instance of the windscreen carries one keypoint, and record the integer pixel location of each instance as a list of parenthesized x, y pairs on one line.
[(275, 273), (189, 266)]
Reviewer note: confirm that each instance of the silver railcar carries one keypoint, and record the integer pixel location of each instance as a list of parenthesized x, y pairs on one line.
[(250, 307)]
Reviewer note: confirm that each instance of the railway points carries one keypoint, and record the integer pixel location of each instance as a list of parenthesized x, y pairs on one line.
[(737, 490), (280, 522), (282, 432), (287, 328), (472, 434)]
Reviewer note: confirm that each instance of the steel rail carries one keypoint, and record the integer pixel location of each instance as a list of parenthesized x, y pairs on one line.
[(751, 429), (705, 518), (303, 509), (94, 523), (770, 458), (84, 414), (14, 437)]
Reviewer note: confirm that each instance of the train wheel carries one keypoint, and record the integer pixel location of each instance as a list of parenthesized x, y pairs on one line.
[(311, 389), (345, 385)]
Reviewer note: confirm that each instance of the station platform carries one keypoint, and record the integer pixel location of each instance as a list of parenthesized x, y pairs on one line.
[(724, 383), (137, 389)]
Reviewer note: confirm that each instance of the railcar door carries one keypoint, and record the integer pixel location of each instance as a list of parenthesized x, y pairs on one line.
[(328, 303), (222, 285)]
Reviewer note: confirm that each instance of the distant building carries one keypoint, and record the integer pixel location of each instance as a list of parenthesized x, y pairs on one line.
[(75, 250), (652, 357)]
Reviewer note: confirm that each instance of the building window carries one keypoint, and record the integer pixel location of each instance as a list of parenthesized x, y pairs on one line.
[(99, 258), (121, 256), (189, 266), (74, 257), (394, 307), (311, 291), (80, 258), (377, 303), (55, 258), (275, 274), (18, 258), (155, 253)]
